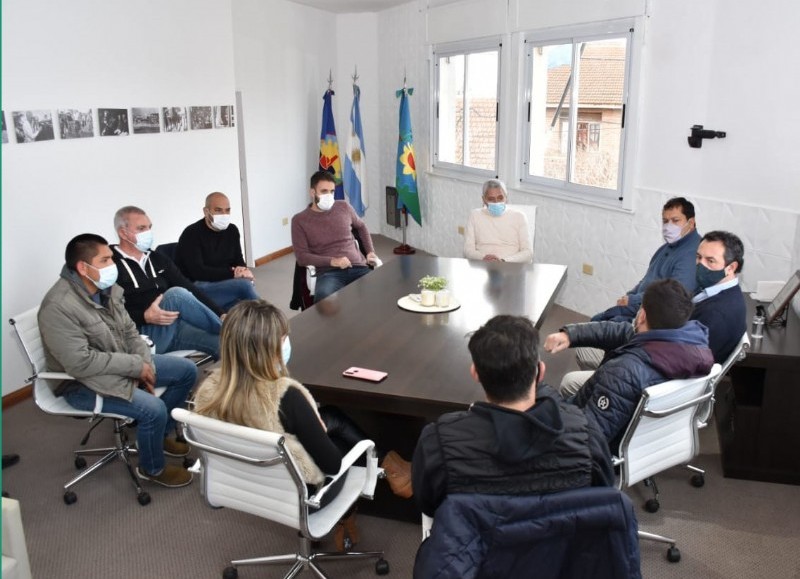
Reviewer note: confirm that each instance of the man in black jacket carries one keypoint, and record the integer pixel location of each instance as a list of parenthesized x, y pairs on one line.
[(210, 254), (162, 302), (523, 440)]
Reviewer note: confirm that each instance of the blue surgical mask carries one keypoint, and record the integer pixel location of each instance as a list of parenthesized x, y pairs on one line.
[(108, 276), (496, 209), (707, 277), (144, 241), (286, 350)]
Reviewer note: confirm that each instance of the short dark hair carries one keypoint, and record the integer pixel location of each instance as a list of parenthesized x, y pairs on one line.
[(505, 351), (667, 304), (322, 176), (686, 206), (82, 247), (734, 249)]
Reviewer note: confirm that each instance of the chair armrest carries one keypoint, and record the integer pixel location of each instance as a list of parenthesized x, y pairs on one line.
[(361, 447), (688, 404), (54, 376)]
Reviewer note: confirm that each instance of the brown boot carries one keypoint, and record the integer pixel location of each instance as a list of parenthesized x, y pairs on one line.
[(345, 534), (398, 474)]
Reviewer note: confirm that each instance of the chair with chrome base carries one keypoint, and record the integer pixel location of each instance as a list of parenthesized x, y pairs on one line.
[(662, 434), (706, 410), (251, 470), (26, 327)]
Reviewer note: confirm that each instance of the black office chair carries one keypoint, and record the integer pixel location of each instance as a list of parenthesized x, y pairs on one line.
[(586, 532), (168, 249)]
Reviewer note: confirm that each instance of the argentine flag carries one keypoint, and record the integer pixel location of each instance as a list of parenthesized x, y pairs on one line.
[(355, 161)]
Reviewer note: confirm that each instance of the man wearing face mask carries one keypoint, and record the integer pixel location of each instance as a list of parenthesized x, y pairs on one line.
[(322, 236), (662, 344), (88, 334), (719, 303), (166, 306), (210, 254), (495, 232)]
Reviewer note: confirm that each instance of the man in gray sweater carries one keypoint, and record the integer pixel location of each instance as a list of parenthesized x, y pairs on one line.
[(88, 334)]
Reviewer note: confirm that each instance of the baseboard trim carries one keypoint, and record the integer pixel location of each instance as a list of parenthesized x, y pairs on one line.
[(17, 396), (273, 256)]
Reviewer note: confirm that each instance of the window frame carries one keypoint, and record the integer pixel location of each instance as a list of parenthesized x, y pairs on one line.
[(464, 48), (628, 28)]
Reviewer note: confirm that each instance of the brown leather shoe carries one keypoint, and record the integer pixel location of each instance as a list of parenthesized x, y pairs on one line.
[(171, 477), (174, 447), (398, 474)]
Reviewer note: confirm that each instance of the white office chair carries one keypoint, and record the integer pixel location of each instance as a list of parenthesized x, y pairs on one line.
[(661, 434), (707, 409), (16, 564), (26, 327), (251, 470)]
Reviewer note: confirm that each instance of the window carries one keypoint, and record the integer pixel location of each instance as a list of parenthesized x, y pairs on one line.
[(467, 107), (576, 92)]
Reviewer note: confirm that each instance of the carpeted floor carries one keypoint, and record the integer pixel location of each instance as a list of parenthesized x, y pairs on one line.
[(729, 529)]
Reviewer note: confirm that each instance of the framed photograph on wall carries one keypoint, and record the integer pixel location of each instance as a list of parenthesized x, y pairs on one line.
[(5, 131), (113, 122), (145, 120), (75, 123), (223, 117), (31, 126), (175, 119), (200, 118)]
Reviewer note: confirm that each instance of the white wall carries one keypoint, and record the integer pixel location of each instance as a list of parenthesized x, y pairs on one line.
[(110, 53), (283, 52), (707, 63)]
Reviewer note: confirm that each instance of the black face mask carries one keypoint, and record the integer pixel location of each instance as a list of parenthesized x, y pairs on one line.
[(707, 277)]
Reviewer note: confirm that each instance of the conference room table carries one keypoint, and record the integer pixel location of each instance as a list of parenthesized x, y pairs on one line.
[(424, 354)]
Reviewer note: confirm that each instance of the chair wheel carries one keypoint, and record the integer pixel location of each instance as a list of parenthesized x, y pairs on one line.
[(230, 573), (70, 498), (382, 567), (673, 555), (652, 506), (698, 480), (80, 462), (143, 498)]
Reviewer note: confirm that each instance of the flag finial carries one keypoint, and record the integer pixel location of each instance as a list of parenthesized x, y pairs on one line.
[(355, 75), (330, 79)]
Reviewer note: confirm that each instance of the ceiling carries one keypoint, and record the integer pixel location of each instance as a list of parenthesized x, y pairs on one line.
[(346, 6)]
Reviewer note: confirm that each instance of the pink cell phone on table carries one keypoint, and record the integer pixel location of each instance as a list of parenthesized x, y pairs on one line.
[(364, 374)]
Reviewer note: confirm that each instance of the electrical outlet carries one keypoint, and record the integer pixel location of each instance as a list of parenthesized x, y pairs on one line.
[(285, 221), (588, 269), (461, 230)]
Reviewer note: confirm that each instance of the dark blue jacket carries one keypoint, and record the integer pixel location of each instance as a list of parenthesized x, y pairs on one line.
[(588, 532), (632, 363), (725, 316)]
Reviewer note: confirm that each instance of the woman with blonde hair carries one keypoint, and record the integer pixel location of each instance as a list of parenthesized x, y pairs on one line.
[(252, 388)]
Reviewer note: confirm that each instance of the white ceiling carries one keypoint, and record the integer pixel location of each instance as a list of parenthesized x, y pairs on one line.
[(346, 6)]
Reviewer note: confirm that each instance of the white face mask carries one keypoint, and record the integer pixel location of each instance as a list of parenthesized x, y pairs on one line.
[(220, 222), (671, 232), (325, 201), (108, 276), (286, 350), (144, 241)]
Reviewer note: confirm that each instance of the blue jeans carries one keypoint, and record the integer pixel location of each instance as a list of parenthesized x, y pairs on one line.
[(335, 279), (197, 327), (153, 414), (228, 292)]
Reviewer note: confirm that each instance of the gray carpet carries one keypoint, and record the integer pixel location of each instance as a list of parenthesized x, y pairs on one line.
[(728, 529)]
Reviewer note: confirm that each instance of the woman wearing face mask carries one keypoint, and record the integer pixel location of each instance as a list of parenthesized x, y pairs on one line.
[(253, 388)]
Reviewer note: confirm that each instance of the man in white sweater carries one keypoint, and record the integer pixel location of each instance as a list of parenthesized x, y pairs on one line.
[(496, 233)]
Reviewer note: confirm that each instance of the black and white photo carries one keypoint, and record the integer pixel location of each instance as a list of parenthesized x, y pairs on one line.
[(75, 123), (175, 119), (223, 117), (200, 117), (5, 131), (145, 120), (113, 122), (31, 126)]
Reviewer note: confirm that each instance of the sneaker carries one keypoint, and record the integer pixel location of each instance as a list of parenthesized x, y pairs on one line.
[(172, 476), (174, 447)]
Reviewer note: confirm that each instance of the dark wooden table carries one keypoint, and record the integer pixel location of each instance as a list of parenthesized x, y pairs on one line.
[(425, 355), (757, 410)]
